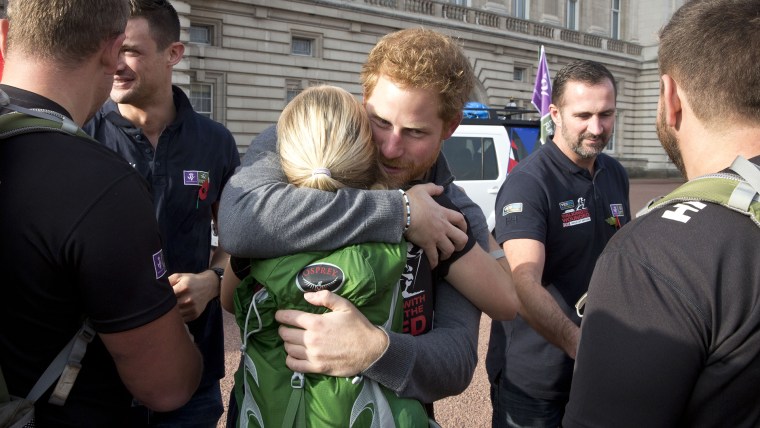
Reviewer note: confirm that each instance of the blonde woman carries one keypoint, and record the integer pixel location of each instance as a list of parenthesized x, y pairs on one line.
[(324, 142)]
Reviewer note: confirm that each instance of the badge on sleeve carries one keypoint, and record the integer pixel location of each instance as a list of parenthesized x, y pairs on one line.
[(516, 207), (159, 265)]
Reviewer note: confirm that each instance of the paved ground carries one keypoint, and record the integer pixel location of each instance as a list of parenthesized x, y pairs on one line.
[(472, 408)]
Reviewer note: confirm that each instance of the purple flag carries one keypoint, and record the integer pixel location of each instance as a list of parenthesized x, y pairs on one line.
[(542, 96)]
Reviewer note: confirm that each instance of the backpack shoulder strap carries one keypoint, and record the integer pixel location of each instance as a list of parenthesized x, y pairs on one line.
[(65, 367), (739, 192), (747, 191), (23, 120)]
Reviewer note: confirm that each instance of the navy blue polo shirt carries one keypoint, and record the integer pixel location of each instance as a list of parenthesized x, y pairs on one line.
[(187, 170), (550, 199)]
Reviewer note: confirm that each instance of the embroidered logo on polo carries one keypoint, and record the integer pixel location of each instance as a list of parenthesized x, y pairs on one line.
[(576, 216), (617, 210), (320, 276), (197, 178), (516, 207), (159, 265), (194, 178)]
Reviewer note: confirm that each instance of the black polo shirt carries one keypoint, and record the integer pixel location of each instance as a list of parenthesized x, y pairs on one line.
[(671, 333), (190, 165), (550, 199), (78, 239)]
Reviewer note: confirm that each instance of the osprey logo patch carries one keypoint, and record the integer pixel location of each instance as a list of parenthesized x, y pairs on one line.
[(320, 276)]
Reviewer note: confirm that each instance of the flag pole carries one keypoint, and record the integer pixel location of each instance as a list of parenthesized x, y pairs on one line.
[(542, 96)]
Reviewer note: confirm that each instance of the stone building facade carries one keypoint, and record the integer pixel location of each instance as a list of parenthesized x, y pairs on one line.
[(245, 59)]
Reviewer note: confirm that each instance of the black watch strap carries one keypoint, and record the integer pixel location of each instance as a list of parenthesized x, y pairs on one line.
[(219, 272)]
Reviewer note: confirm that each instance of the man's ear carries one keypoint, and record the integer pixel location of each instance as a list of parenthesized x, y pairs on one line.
[(176, 52), (110, 54), (4, 25), (554, 114), (451, 126), (670, 99)]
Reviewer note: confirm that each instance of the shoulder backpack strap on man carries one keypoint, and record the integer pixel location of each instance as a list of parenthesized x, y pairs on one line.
[(24, 120), (739, 191), (15, 412)]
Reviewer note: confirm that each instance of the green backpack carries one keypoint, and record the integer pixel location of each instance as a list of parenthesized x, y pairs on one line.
[(738, 190), (267, 391)]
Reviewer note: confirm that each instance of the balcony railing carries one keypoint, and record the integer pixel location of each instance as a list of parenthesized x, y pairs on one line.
[(483, 18)]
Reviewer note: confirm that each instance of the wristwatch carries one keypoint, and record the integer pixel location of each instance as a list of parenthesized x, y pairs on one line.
[(219, 272)]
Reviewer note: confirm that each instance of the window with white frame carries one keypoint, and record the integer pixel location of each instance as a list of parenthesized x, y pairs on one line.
[(458, 2), (520, 8), (207, 94), (302, 46), (293, 87), (518, 74), (572, 15), (202, 98), (615, 20), (610, 148), (305, 43), (205, 31), (201, 34)]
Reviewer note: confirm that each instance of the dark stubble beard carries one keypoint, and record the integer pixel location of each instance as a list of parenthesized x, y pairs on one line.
[(670, 143), (576, 145)]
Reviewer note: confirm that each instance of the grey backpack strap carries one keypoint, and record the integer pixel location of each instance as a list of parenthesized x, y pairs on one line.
[(747, 190), (64, 367)]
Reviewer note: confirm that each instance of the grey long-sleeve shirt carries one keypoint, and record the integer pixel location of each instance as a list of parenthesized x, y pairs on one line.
[(262, 216)]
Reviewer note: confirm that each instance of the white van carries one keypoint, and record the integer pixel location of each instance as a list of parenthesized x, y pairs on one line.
[(482, 151)]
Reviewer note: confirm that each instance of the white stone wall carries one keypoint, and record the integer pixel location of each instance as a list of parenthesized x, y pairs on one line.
[(252, 64)]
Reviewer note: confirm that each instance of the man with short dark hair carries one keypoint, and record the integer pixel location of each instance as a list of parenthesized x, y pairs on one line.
[(671, 332), (555, 212), (78, 236), (187, 158)]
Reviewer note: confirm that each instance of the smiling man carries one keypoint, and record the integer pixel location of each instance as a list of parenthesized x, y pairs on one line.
[(186, 158), (556, 211)]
